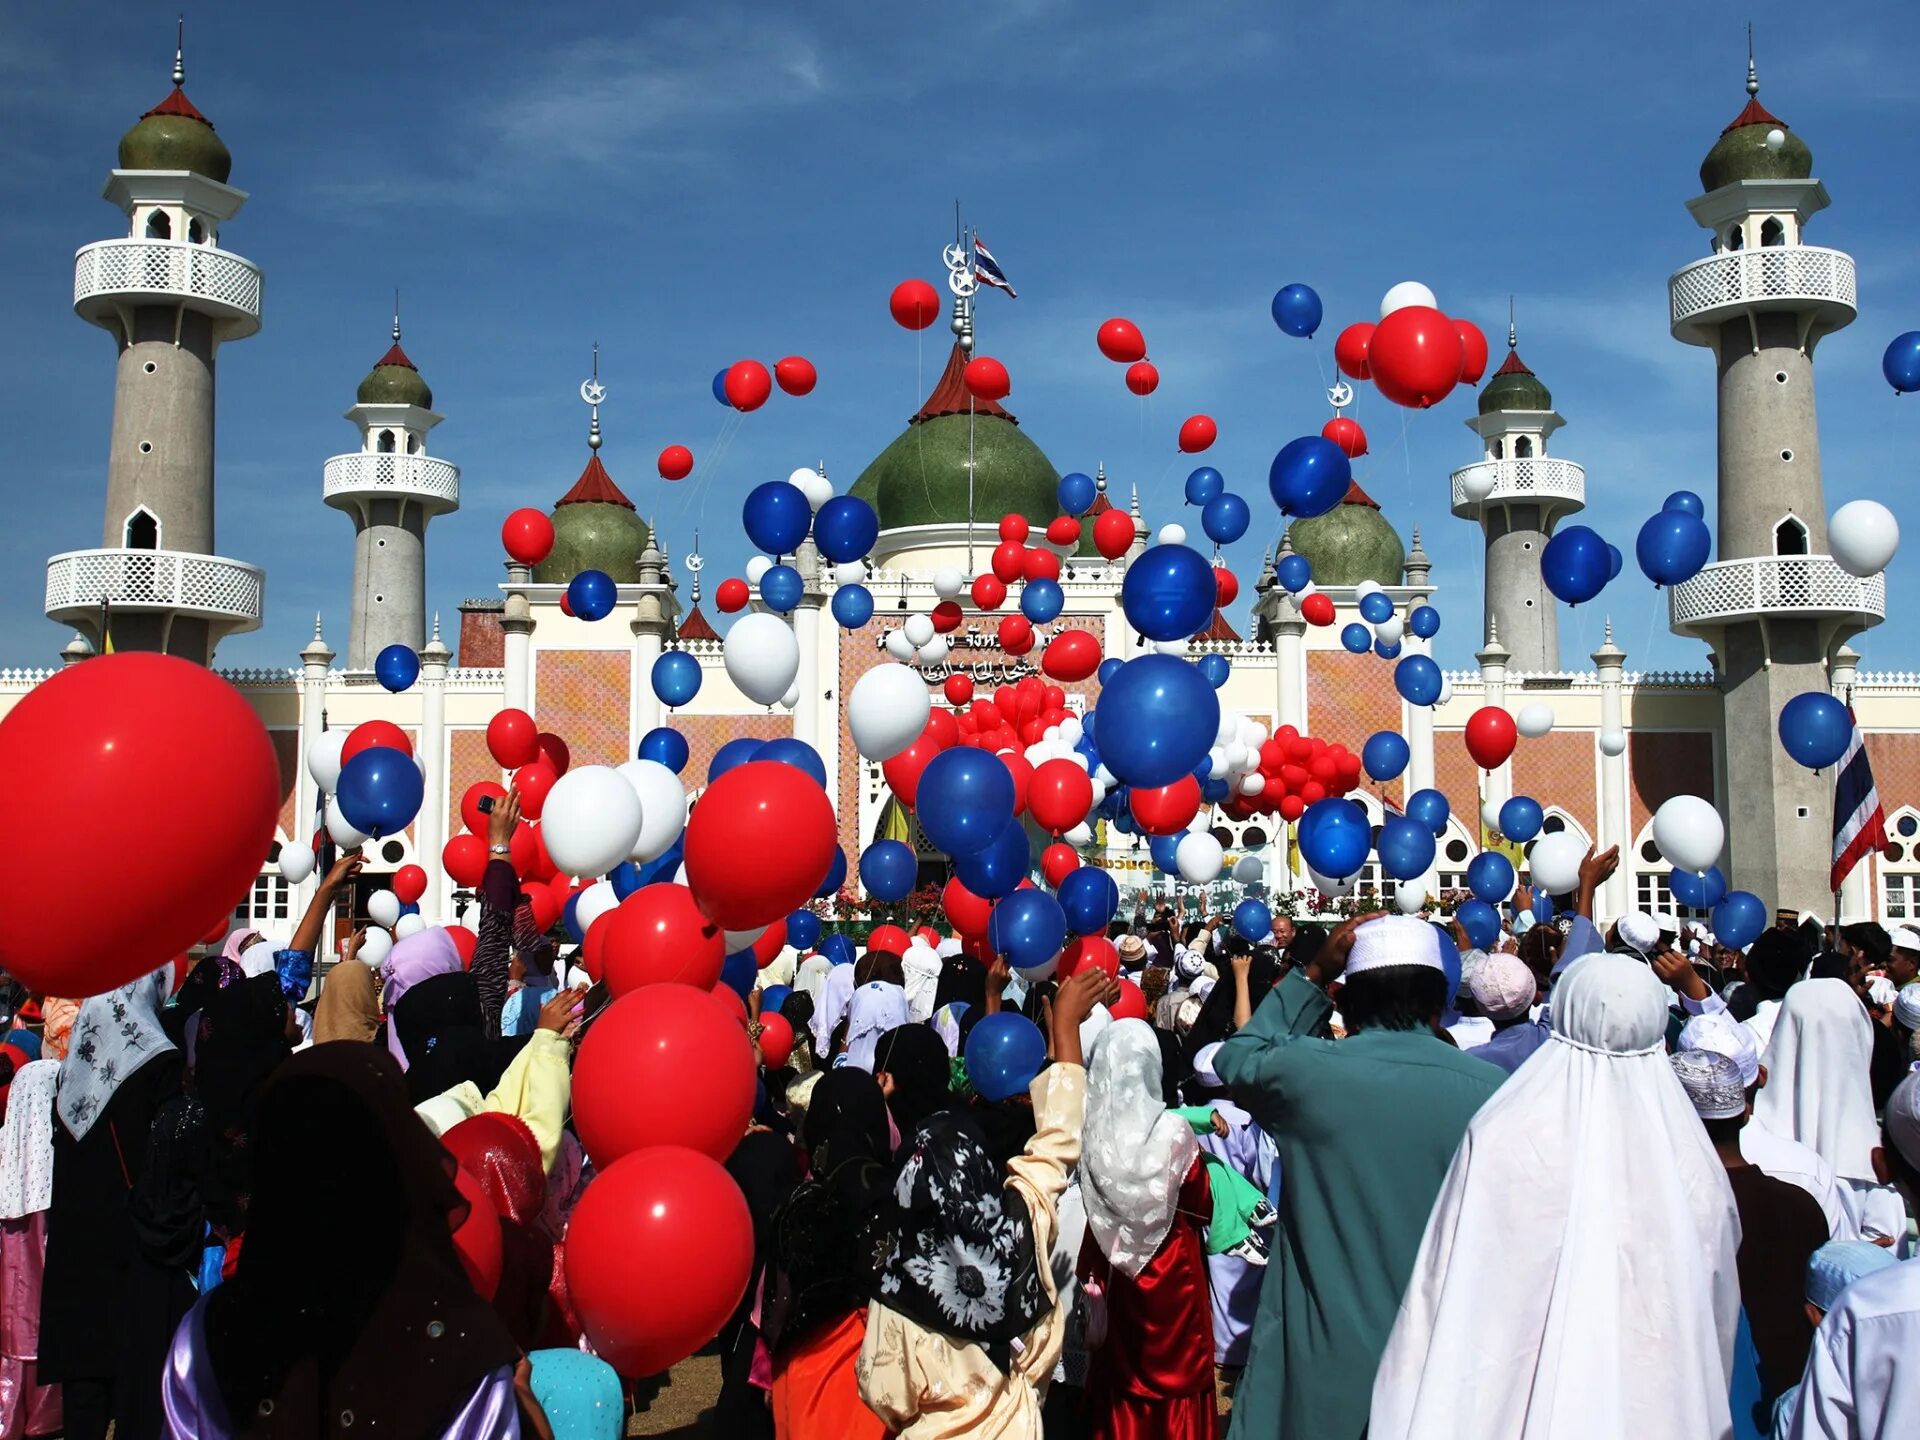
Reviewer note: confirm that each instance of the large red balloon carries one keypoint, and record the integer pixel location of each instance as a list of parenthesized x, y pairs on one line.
[(986, 378), (464, 858), (1121, 341), (1016, 634), (776, 1039), (890, 939), (464, 940), (544, 905), (1058, 860), (676, 462), (476, 1240), (527, 536), (1416, 356), (1345, 432), (1009, 557), (1350, 350), (662, 1222), (1014, 526), (795, 375), (658, 936), (1166, 809), (555, 751), (1064, 531), (903, 771), (677, 1045), (1490, 736), (1317, 609), (1039, 565), (409, 883), (129, 755), (947, 617), (915, 304), (731, 594), (1132, 1004), (1143, 377), (1113, 533), (759, 842), (968, 912), (1094, 950), (958, 688), (747, 385), (1059, 795), (1071, 655), (989, 591), (513, 739), (375, 735), (1473, 346), (1197, 433), (533, 782), (1226, 587), (471, 815)]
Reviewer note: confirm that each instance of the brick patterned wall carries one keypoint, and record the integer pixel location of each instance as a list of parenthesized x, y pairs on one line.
[(582, 696), (705, 734), (1665, 763), (482, 641), (1350, 697), (1457, 777), (468, 763), (1557, 769), (1896, 769), (286, 750)]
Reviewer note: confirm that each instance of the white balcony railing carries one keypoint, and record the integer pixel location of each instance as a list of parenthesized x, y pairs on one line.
[(426, 479), (1778, 585), (154, 580), (1558, 484), (1782, 277), (112, 274)]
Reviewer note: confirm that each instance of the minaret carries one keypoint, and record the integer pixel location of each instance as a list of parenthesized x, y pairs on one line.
[(169, 296), (1774, 607), (392, 488), (1518, 493)]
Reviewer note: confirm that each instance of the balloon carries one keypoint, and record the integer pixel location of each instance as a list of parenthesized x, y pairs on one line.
[(464, 859), (532, 783), (1226, 518), (1294, 572), (1417, 678), (1309, 476), (1520, 819), (776, 1037), (1698, 892), (1410, 896), (1198, 857), (592, 594), (1084, 950), (1113, 535), (845, 528), (1168, 592), (762, 656), (1687, 503), (964, 798), (376, 734), (324, 759), (1027, 928), (590, 820), (1473, 350), (1406, 847), (1424, 621), (1297, 311), (1158, 719), (1901, 363), (380, 792), (1347, 434), (1334, 837), (383, 908), (1317, 609), (1554, 862), (887, 710), (1165, 809), (1077, 493), (1216, 669), (888, 869), (1376, 607), (1071, 655), (554, 751), (1862, 536), (296, 863), (781, 588), (1387, 649), (1000, 866), (527, 536), (758, 843), (986, 378), (1481, 922), (1574, 564), (1430, 808), (776, 516), (747, 385), (1815, 729), (396, 668), (1204, 484), (1197, 432), (720, 388), (1415, 355), (732, 755), (477, 1238), (1688, 832), (1042, 600), (1672, 546), (1132, 1004), (1739, 918), (1350, 350), (676, 678), (665, 746), (795, 375), (1253, 921), (1090, 899), (1004, 1052), (409, 883), (852, 606), (1121, 341), (1063, 532), (1490, 736), (731, 595), (1407, 292), (1143, 377), (658, 936), (676, 462), (1385, 755), (1059, 795), (789, 750), (1534, 720), (915, 304)]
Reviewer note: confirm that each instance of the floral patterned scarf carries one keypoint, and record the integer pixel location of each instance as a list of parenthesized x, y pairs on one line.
[(114, 1036)]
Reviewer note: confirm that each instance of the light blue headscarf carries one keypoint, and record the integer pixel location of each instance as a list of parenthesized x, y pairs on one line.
[(580, 1393)]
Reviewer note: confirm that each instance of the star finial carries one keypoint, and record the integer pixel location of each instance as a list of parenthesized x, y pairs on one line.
[(594, 393)]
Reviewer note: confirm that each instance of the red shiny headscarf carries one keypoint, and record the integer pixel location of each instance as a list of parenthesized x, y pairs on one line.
[(501, 1153)]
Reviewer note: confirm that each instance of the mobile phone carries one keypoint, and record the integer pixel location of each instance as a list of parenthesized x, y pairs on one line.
[(485, 804)]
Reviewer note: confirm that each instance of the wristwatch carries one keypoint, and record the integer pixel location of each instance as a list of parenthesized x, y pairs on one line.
[(499, 849)]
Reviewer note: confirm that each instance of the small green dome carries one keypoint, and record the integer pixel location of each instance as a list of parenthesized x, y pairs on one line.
[(395, 381), (175, 136), (1350, 543), (1742, 152), (595, 527), (1514, 387), (921, 478)]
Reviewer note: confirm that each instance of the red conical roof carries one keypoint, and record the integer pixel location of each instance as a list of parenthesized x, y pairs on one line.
[(950, 394), (594, 487), (1220, 629), (1513, 365), (1754, 114), (396, 356), (178, 104), (1356, 496), (696, 627)]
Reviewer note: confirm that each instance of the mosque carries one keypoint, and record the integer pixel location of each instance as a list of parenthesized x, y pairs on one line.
[(1775, 613)]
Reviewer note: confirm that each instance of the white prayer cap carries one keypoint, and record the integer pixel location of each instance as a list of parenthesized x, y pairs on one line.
[(1502, 987), (1906, 938), (1393, 940), (1838, 1263), (1902, 1118), (1638, 930), (1093, 1027), (1523, 922), (1712, 1083), (1668, 922), (1880, 990), (257, 958), (948, 946), (1723, 1035), (1906, 1006), (1188, 962), (1203, 1070)]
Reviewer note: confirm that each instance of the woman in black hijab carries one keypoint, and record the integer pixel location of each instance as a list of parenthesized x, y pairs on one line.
[(914, 1072), (443, 1031)]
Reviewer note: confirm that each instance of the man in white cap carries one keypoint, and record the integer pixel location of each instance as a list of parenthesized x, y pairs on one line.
[(1903, 957), (1863, 1379), (1504, 989), (1364, 1129)]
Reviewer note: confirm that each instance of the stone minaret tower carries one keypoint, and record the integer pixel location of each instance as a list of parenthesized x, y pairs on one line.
[(1774, 607), (169, 296), (1518, 493), (392, 488)]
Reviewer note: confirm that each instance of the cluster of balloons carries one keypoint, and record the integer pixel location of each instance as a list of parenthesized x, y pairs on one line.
[(370, 777), (1223, 515), (1121, 342), (746, 384), (1416, 354), (1577, 563)]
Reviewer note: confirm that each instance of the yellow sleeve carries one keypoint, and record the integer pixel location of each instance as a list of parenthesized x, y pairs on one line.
[(537, 1087), (1041, 1170), (886, 1370)]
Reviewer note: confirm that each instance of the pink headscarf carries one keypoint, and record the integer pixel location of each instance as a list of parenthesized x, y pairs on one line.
[(421, 956)]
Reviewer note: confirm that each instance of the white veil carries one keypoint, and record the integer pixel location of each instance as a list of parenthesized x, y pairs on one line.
[(1134, 1155), (1818, 1090)]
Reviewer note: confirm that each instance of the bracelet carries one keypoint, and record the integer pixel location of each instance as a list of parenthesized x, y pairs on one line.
[(499, 849)]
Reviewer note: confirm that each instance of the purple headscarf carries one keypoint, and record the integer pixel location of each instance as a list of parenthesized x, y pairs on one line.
[(420, 956)]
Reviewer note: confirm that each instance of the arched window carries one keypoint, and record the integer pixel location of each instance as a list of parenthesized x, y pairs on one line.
[(413, 444), (385, 442), (1772, 232), (159, 225), (142, 530), (1900, 868), (1790, 537), (1523, 447), (196, 232), (1499, 449), (1735, 238)]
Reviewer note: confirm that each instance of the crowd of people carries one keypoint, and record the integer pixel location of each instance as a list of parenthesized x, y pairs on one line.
[(1354, 1178)]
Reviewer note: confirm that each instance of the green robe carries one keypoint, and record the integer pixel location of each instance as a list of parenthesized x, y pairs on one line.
[(1365, 1129)]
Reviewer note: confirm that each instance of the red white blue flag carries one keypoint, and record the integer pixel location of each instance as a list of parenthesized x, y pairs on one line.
[(987, 270), (1859, 824)]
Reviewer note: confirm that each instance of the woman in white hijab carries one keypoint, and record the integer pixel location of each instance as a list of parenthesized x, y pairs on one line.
[(1577, 1274), (877, 1007), (1819, 1092)]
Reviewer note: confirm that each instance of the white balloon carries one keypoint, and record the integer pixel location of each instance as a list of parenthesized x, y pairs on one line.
[(374, 947), (1253, 734), (817, 488), (762, 656), (323, 759), (1216, 764), (408, 925), (1862, 536), (591, 820), (1407, 292), (339, 831), (1170, 647), (1554, 862), (1776, 139), (1613, 742), (1534, 720), (898, 645), (1105, 776), (1239, 757), (596, 900), (1034, 974), (1689, 833), (1446, 691), (1080, 836), (1172, 535), (887, 710), (935, 651), (1366, 588), (803, 476), (850, 572), (948, 583), (1229, 727), (792, 698), (919, 630), (383, 908), (756, 568), (738, 940), (1389, 630), (1409, 896), (1249, 870), (1477, 482), (1070, 732), (296, 863), (1490, 816), (1330, 887), (663, 807), (1197, 857), (1252, 783)]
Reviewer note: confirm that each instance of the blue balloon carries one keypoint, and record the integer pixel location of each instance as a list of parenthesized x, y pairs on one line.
[(1215, 668), (1481, 922), (1520, 819), (799, 754), (666, 746), (1430, 808), (1169, 592), (1296, 310), (1356, 637), (1109, 668), (845, 528), (773, 997), (739, 972), (379, 791), (676, 680), (1901, 363), (732, 754), (1616, 562), (888, 869), (1384, 755), (1309, 477), (1335, 837), (781, 588), (965, 798), (1004, 1052), (803, 929), (1294, 572), (591, 594), (1042, 600), (1253, 921), (1815, 728), (1424, 621), (1542, 905), (1090, 899), (839, 949), (1214, 791), (1490, 876), (412, 907), (625, 879), (1672, 546), (1158, 719), (1203, 484), (1077, 493), (570, 917), (1418, 680), (1698, 892), (1028, 928), (836, 876), (1739, 918), (396, 667), (1574, 564), (664, 867), (1406, 847), (853, 606), (1376, 607), (720, 387), (1386, 651), (1687, 503), (776, 516), (998, 868), (1226, 518), (1164, 850)]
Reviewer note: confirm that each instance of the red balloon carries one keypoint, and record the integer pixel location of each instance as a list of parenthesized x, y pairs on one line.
[(464, 859), (747, 385), (676, 1043), (947, 617), (1292, 807), (664, 1221), (1040, 565), (409, 883), (1143, 377), (1113, 533), (758, 844), (1094, 950), (659, 936), (1059, 795), (903, 771), (796, 375), (1226, 587), (375, 735), (915, 304), (1350, 350), (1473, 346), (523, 849), (1014, 526), (513, 739), (1063, 530), (532, 782), (1166, 809), (968, 912), (776, 1039), (471, 814), (464, 940), (889, 938), (1059, 859), (1490, 736), (1317, 609), (1071, 655), (546, 908), (142, 751), (527, 536), (1347, 434), (1197, 433), (539, 864), (959, 689), (989, 591), (1008, 558), (1132, 1004), (1016, 635), (1416, 356), (986, 378), (566, 604), (1022, 771), (476, 1240), (736, 1007), (554, 751), (1121, 341), (676, 462), (943, 728), (731, 594)]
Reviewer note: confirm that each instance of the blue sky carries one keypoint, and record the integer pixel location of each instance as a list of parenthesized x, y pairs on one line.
[(690, 184)]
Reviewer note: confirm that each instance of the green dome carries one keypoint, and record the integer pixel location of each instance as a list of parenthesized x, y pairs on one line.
[(595, 527), (1350, 543), (395, 385), (921, 478), (175, 136), (1742, 152), (1514, 387)]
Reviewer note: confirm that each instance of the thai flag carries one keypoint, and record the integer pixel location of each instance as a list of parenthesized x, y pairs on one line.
[(987, 269), (1859, 824)]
